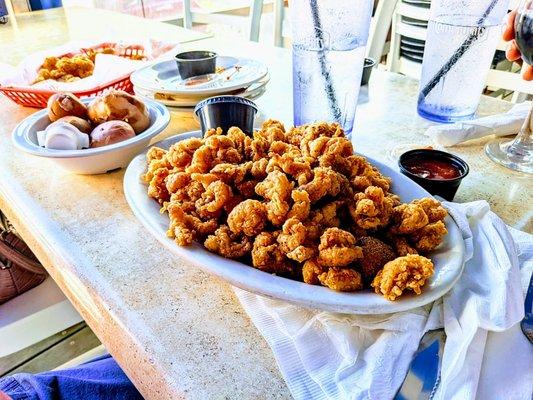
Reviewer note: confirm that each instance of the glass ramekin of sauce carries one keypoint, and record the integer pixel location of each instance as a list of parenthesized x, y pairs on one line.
[(438, 172)]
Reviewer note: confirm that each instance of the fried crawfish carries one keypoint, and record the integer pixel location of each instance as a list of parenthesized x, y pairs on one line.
[(227, 243), (248, 217), (337, 248), (371, 209), (403, 273), (267, 255)]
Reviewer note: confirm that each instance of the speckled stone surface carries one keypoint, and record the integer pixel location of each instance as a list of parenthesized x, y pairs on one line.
[(176, 331)]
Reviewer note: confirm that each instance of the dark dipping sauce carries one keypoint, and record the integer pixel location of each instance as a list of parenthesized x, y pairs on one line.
[(432, 169)]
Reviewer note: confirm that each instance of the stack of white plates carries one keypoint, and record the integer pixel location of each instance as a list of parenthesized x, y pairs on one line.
[(237, 76)]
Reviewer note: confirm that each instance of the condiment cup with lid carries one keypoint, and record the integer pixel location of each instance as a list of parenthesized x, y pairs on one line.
[(225, 112), (439, 172)]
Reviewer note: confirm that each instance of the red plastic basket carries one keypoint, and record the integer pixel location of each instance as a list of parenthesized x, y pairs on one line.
[(26, 96)]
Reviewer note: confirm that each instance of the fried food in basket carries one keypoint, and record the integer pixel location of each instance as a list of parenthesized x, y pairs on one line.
[(71, 68), (296, 203)]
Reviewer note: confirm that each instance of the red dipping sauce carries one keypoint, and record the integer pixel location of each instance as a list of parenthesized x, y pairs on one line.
[(432, 169)]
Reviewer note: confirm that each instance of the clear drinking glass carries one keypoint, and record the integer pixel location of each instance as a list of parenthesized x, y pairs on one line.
[(517, 154), (461, 41), (328, 44)]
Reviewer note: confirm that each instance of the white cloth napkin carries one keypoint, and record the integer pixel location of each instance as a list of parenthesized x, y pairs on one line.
[(508, 123), (325, 355)]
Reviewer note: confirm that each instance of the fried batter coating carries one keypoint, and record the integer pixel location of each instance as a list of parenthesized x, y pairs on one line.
[(180, 154), (228, 244), (276, 188), (408, 218), (157, 188), (401, 245), (293, 241), (326, 182), (337, 248), (293, 165), (267, 255), (364, 174), (248, 217), (433, 209), (216, 149), (311, 270), (184, 191), (372, 210), (408, 272), (429, 237), (301, 206), (212, 202), (231, 173), (341, 279), (375, 255), (186, 228), (421, 223)]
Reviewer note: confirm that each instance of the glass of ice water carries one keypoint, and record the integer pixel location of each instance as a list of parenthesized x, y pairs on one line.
[(328, 43), (460, 45)]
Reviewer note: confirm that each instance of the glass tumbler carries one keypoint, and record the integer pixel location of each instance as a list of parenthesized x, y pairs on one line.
[(460, 45), (328, 45)]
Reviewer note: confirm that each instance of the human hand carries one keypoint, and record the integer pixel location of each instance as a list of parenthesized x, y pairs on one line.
[(513, 53)]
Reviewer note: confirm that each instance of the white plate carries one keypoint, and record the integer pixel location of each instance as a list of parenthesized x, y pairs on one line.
[(448, 258), (253, 91), (163, 77), (90, 161)]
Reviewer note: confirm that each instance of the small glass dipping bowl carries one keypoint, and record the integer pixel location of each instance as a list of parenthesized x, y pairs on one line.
[(438, 172), (195, 63)]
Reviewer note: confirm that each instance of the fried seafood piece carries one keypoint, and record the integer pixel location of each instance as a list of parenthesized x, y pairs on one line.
[(156, 187), (259, 168), (375, 255), (429, 237), (293, 241), (301, 206), (267, 255), (408, 218), (183, 190), (240, 139), (433, 209), (403, 273), (326, 182), (341, 279), (337, 248), (276, 188), (185, 227), (272, 131), (248, 217), (311, 270), (401, 245), (371, 209), (216, 149), (293, 164), (155, 153), (247, 188), (180, 154), (228, 244), (421, 222), (213, 131), (212, 201), (363, 174), (231, 173)]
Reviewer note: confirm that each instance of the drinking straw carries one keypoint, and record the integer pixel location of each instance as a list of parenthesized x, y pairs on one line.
[(458, 53), (330, 91)]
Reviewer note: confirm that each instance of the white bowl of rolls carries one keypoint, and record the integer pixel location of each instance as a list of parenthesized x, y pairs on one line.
[(93, 135)]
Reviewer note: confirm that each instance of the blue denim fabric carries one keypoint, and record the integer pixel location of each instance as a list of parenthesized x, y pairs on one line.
[(98, 379)]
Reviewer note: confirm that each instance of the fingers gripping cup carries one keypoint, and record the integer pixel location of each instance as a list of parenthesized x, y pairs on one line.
[(225, 112)]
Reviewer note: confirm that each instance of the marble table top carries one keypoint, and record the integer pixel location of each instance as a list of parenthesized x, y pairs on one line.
[(177, 331)]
